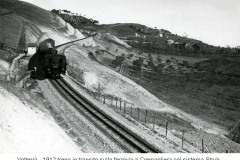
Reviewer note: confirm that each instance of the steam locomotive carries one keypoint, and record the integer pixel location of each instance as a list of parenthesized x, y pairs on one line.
[(46, 63)]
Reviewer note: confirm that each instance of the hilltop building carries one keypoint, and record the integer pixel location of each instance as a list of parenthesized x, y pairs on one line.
[(137, 35)]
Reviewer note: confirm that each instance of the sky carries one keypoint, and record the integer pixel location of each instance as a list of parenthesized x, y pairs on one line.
[(216, 22)]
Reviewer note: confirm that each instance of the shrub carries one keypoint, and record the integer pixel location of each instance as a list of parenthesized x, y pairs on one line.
[(119, 60)]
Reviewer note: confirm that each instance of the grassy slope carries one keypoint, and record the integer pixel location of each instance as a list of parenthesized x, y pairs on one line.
[(211, 102), (31, 21), (26, 23), (115, 84), (207, 95)]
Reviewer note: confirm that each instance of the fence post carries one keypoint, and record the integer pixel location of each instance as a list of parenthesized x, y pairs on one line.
[(182, 138), (24, 83), (202, 146), (166, 128), (104, 100), (153, 121), (15, 78), (146, 116), (124, 107), (116, 102), (120, 104), (131, 110), (96, 95), (111, 101), (138, 113)]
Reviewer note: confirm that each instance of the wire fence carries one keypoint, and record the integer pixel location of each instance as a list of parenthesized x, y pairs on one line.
[(150, 118)]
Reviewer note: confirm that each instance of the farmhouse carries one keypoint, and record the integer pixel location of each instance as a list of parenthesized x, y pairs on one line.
[(170, 41)]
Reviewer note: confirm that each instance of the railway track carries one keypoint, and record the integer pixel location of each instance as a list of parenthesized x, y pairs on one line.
[(127, 140)]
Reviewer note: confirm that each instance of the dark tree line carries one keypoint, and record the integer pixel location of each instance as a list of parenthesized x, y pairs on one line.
[(154, 45), (75, 20)]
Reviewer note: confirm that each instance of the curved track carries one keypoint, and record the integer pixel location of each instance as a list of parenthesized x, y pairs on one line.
[(121, 135)]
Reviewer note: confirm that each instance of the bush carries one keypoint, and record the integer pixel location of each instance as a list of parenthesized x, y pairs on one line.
[(107, 48), (91, 55), (99, 52), (129, 56), (137, 64), (119, 60)]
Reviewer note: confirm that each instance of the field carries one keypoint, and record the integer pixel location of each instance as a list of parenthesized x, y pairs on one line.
[(214, 103), (191, 60)]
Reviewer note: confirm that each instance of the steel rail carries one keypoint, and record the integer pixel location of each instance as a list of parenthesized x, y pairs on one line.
[(118, 133)]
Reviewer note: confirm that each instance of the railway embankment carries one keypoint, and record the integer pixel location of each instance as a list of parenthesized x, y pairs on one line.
[(26, 126), (166, 145), (83, 132)]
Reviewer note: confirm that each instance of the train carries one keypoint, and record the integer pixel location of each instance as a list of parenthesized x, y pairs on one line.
[(46, 62)]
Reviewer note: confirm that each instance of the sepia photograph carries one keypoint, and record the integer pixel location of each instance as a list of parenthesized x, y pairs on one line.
[(120, 76)]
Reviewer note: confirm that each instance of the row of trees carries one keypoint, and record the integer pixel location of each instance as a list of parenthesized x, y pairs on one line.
[(151, 44), (195, 49), (76, 20)]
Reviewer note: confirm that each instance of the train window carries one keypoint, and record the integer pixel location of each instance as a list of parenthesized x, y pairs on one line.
[(60, 60), (50, 60)]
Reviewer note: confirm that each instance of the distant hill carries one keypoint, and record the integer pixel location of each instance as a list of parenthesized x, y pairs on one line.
[(161, 41), (147, 39)]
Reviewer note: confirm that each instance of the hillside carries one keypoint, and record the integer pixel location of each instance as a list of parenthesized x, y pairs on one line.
[(26, 124), (206, 88), (23, 26), (161, 41), (226, 65), (184, 72), (149, 40), (124, 64)]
